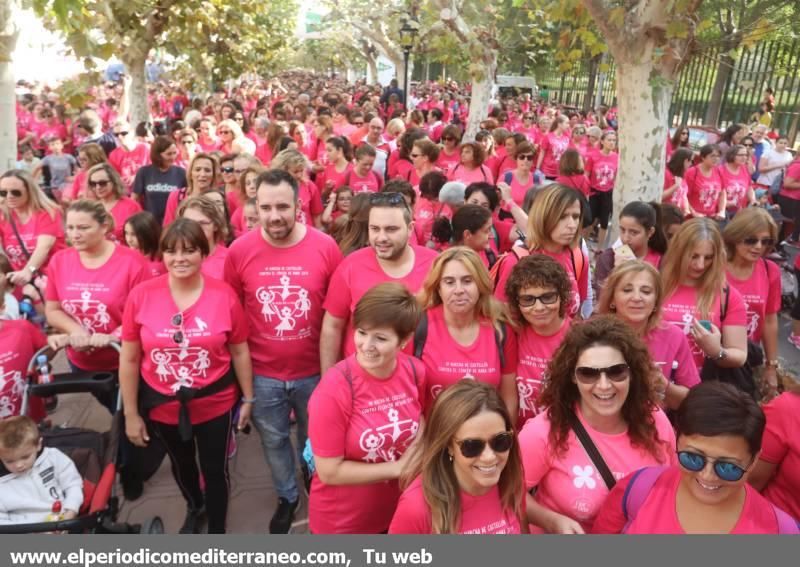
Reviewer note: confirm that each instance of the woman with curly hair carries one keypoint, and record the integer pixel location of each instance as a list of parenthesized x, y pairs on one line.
[(538, 293), (599, 387), (468, 479)]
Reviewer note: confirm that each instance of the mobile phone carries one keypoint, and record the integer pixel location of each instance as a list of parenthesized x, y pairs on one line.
[(706, 324)]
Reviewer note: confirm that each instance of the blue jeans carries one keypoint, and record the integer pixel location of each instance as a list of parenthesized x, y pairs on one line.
[(274, 400)]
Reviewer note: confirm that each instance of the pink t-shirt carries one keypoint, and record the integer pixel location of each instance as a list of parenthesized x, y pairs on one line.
[(658, 515), (283, 290), (19, 341), (668, 345), (680, 193), (372, 183), (535, 352), (448, 362), (578, 181), (213, 323), (580, 284), (501, 166), (122, 210), (466, 176), (39, 223), (78, 188), (448, 161), (602, 171), (155, 268), (781, 447), (793, 171), (735, 186), (518, 189), (761, 294), (332, 175), (214, 265), (127, 163), (479, 514), (358, 273), (553, 146), (680, 309), (310, 202), (425, 214), (95, 298), (359, 417), (703, 192), (569, 484)]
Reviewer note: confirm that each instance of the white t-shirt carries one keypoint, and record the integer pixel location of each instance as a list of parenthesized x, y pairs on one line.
[(11, 310), (769, 159)]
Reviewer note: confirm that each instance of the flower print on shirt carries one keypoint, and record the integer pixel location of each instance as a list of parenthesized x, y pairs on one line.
[(287, 306), (583, 477)]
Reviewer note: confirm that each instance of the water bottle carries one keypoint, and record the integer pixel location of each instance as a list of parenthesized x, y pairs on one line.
[(44, 369), (28, 311), (538, 177)]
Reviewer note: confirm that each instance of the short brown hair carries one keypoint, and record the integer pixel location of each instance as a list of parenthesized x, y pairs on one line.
[(537, 270), (187, 233), (570, 162), (16, 431), (428, 149), (389, 304)]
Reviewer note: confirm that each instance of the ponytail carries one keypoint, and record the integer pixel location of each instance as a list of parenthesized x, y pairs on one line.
[(649, 216)]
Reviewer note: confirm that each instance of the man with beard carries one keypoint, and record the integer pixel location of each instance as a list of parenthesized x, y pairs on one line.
[(281, 272), (388, 258)]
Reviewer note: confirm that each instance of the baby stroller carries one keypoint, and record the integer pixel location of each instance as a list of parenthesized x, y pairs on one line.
[(94, 454)]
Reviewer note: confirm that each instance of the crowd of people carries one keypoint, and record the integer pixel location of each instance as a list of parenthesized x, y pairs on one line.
[(429, 334)]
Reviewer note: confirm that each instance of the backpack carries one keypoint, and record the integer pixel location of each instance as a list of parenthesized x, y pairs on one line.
[(576, 255), (642, 483), (421, 336)]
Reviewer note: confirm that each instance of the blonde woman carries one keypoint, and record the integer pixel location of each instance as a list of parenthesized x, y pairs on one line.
[(310, 207), (233, 140), (468, 478), (203, 171), (206, 213), (697, 298), (463, 333)]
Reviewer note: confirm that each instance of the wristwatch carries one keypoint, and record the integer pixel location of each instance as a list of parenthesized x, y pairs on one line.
[(723, 354), (772, 363)]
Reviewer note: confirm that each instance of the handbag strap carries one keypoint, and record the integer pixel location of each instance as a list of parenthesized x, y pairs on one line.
[(19, 238), (591, 450)]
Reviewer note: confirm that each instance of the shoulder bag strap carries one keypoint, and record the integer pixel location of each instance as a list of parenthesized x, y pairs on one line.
[(592, 451), (16, 234), (421, 335)]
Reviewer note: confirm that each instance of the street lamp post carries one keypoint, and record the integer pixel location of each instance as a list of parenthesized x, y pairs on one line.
[(408, 32)]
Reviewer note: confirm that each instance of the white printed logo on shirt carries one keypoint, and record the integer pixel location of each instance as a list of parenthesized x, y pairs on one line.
[(285, 306), (91, 314), (528, 390), (381, 443), (584, 477), (180, 365), (12, 387), (605, 175)]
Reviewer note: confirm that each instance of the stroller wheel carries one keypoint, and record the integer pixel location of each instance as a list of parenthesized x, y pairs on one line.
[(152, 525)]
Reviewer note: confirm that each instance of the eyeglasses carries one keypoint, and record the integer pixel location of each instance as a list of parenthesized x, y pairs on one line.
[(414, 156), (226, 169), (500, 443), (121, 134), (615, 373), (223, 131), (753, 241), (548, 298), (725, 470), (98, 183), (178, 336), (449, 138), (527, 157), (239, 119), (13, 192)]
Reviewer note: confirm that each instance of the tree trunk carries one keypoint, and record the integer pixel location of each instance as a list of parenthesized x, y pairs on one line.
[(481, 94), (135, 66), (644, 96), (8, 114), (372, 69), (724, 68), (594, 67)]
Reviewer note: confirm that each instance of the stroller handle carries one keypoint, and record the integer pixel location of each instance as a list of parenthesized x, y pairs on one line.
[(51, 353)]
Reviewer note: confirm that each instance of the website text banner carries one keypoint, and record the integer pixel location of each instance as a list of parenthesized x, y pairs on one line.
[(396, 551)]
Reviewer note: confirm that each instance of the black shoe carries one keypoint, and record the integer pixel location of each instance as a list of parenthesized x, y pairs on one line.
[(132, 484), (306, 478), (193, 522), (283, 516)]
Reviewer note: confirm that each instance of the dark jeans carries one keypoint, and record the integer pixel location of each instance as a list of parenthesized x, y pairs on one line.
[(209, 446), (790, 208)]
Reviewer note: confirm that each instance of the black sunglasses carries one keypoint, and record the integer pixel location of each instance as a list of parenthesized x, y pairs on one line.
[(125, 133), (99, 183), (387, 199), (527, 157), (177, 321), (13, 192), (226, 170), (548, 298), (500, 443), (615, 373), (725, 470), (753, 241), (449, 139)]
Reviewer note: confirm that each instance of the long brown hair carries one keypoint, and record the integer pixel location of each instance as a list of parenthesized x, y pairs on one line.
[(561, 393), (456, 405)]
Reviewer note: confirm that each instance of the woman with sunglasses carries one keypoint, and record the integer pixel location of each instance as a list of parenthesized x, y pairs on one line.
[(600, 384), (464, 332), (187, 147), (680, 139), (471, 168), (509, 161), (232, 139), (31, 229), (697, 298), (538, 293), (776, 473), (633, 292), (184, 350), (89, 155), (749, 237), (104, 185), (736, 181), (203, 172), (364, 415), (704, 185), (424, 154), (520, 180), (467, 476), (719, 439), (207, 214), (450, 156)]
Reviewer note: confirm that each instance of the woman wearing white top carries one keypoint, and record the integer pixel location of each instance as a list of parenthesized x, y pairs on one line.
[(774, 161)]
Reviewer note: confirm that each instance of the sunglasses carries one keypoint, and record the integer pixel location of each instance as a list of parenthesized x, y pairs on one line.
[(99, 183), (449, 139), (13, 192), (414, 156), (548, 298), (387, 199), (527, 157), (500, 443), (223, 131), (121, 133), (748, 145), (226, 170), (753, 241), (615, 373), (177, 321), (725, 470)]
